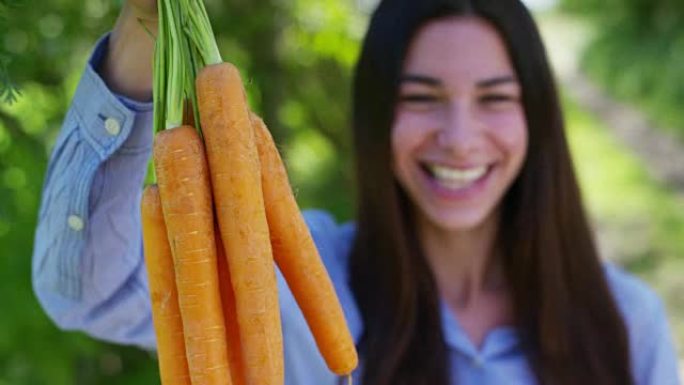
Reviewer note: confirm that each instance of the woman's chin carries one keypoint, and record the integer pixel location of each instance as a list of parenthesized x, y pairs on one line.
[(458, 222)]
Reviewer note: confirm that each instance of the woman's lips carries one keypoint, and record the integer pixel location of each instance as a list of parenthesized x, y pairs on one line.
[(456, 184)]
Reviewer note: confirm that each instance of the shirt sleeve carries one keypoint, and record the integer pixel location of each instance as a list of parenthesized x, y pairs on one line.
[(88, 271), (654, 359)]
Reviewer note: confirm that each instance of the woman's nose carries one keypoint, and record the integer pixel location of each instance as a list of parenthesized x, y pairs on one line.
[(459, 131)]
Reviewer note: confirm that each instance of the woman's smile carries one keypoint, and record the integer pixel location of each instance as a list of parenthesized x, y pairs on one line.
[(454, 183)]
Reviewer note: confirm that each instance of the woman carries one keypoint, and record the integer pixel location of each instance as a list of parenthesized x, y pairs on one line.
[(471, 262)]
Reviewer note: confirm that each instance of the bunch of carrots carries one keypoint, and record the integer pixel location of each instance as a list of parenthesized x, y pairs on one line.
[(221, 213)]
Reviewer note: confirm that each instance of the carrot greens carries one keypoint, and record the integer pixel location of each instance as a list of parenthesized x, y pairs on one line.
[(185, 44)]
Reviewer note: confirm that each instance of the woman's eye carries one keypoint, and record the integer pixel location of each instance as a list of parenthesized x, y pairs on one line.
[(497, 98), (418, 98)]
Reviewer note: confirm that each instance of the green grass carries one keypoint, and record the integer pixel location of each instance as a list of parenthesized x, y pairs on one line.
[(641, 221)]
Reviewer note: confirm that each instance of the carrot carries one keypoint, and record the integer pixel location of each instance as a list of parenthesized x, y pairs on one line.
[(173, 367), (236, 182), (297, 257), (185, 193), (237, 370)]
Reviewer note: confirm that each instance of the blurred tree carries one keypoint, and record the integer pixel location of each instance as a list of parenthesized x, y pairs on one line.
[(645, 40), (646, 13), (8, 92), (296, 57)]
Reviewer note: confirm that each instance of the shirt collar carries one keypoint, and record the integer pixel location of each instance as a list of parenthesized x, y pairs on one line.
[(498, 341)]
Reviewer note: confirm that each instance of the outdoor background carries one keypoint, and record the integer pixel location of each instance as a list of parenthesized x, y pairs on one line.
[(621, 63)]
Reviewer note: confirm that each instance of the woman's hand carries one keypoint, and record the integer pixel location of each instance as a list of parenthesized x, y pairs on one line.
[(144, 9), (127, 66)]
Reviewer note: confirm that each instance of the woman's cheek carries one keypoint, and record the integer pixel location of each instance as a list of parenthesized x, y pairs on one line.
[(510, 131), (408, 130)]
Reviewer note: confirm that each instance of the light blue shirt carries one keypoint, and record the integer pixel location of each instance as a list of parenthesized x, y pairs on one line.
[(89, 275)]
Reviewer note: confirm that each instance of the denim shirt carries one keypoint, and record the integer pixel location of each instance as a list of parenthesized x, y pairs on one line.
[(88, 271)]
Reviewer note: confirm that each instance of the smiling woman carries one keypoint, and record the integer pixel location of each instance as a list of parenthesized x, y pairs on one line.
[(471, 260), (471, 240)]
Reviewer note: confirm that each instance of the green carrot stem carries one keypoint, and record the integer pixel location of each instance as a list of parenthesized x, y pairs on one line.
[(185, 44), (160, 70), (178, 61)]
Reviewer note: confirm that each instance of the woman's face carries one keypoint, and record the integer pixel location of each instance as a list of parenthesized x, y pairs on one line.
[(459, 136)]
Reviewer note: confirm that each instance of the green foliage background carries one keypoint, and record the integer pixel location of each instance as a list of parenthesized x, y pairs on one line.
[(638, 54)]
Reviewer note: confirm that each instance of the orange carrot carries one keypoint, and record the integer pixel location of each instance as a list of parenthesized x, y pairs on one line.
[(185, 192), (173, 367), (237, 370), (298, 259), (236, 182)]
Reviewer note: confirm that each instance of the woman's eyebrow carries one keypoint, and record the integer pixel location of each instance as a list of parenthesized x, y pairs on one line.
[(435, 82), (495, 81), (422, 79)]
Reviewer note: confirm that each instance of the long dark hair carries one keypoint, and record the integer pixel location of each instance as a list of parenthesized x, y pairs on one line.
[(571, 329)]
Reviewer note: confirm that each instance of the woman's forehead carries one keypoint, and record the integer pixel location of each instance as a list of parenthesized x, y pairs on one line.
[(458, 49)]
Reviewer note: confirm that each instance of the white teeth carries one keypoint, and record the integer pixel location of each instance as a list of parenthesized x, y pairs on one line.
[(457, 178)]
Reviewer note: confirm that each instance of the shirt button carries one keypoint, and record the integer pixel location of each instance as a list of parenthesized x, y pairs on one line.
[(112, 126), (75, 222)]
